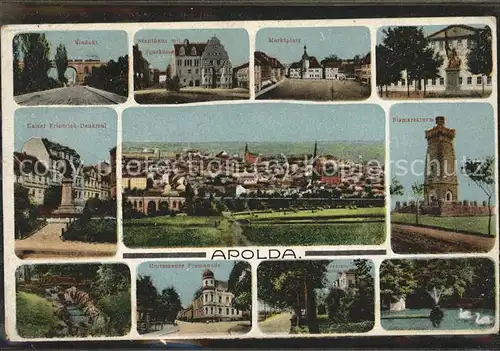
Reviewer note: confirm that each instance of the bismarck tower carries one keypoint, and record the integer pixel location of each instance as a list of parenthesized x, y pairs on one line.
[(440, 184)]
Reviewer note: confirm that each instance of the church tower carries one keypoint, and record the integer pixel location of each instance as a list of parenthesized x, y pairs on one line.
[(440, 182), (304, 72)]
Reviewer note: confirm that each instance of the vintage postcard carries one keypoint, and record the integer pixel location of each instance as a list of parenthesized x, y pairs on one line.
[(64, 185), (316, 297), (447, 61), (316, 64), (70, 68), (442, 184), (250, 179), (183, 66), (438, 294), (194, 297), (232, 175)]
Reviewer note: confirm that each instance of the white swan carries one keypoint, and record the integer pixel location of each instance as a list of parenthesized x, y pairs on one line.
[(484, 320), (464, 314)]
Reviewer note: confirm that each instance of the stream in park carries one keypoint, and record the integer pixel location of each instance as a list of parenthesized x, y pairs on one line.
[(418, 319), (74, 320)]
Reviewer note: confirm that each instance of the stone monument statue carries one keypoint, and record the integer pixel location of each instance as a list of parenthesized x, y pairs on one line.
[(66, 207), (453, 68)]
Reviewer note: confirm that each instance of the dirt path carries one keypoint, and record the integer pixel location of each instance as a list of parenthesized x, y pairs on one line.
[(278, 324), (47, 243), (412, 239)]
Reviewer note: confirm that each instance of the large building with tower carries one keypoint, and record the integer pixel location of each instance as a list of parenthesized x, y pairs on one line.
[(214, 302)]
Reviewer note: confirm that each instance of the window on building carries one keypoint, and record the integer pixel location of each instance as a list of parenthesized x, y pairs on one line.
[(220, 298), (182, 51), (220, 310), (403, 82), (469, 80), (211, 297), (189, 71), (227, 311), (193, 51), (206, 310), (211, 310), (441, 81), (232, 311), (460, 80), (179, 63), (478, 80), (196, 71)]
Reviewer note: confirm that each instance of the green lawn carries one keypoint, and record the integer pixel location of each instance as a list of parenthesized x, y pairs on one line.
[(320, 234), (318, 213), (35, 316), (476, 224), (178, 231)]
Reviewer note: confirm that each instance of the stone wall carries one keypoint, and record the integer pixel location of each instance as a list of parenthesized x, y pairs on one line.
[(447, 209)]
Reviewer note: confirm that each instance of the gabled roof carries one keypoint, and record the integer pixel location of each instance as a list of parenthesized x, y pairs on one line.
[(200, 47), (50, 145), (454, 31)]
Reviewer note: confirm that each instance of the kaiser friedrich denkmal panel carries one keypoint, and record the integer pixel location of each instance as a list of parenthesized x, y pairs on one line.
[(419, 62), (443, 178), (192, 65), (71, 68), (315, 63), (64, 182), (253, 175)]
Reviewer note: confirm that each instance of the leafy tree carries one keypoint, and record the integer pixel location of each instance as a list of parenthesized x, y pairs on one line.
[(146, 293), (16, 69), (240, 284), (36, 50), (482, 174), (112, 77), (364, 307), (418, 194), (112, 279), (407, 50), (397, 280), (443, 277), (396, 188), (291, 284), (170, 304), (61, 60), (480, 57), (431, 64), (25, 215)]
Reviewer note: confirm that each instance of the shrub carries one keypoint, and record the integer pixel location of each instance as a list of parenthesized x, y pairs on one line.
[(117, 309), (35, 316), (97, 230)]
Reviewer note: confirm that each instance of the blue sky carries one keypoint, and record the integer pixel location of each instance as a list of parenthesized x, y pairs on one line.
[(345, 42), (279, 122), (108, 44), (235, 41), (427, 30), (93, 145), (474, 138), (187, 279)]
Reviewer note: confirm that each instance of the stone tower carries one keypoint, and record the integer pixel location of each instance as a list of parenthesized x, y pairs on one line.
[(440, 184)]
